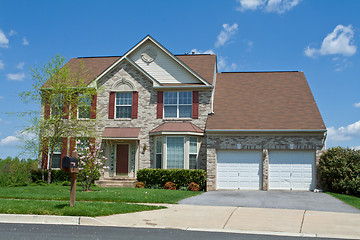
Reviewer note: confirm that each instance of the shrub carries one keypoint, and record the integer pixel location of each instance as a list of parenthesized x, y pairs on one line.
[(194, 187), (139, 185), (66, 183), (181, 177), (339, 171), (170, 186), (57, 176), (15, 172)]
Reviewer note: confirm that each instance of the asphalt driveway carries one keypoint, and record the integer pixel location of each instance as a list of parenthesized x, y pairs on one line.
[(272, 199)]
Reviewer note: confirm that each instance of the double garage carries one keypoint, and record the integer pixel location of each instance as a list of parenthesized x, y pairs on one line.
[(244, 169)]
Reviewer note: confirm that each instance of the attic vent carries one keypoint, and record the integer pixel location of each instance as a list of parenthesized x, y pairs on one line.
[(124, 85), (148, 55)]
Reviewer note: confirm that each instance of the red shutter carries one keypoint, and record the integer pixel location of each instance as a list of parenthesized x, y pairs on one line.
[(66, 108), (160, 101), (72, 145), (74, 105), (93, 107), (134, 110), (64, 147), (92, 145), (111, 105), (47, 106), (195, 104), (45, 153)]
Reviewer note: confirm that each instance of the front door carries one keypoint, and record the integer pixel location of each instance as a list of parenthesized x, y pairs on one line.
[(122, 158)]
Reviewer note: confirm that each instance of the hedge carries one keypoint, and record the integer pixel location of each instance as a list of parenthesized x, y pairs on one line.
[(181, 177), (57, 176), (339, 171)]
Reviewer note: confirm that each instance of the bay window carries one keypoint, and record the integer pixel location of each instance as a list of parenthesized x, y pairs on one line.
[(175, 152), (193, 149)]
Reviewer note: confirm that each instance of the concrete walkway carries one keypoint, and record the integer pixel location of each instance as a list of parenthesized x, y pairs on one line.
[(218, 218)]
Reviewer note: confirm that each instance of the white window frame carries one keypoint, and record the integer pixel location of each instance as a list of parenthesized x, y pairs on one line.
[(159, 140), (123, 105), (165, 165), (195, 152), (177, 105), (78, 107)]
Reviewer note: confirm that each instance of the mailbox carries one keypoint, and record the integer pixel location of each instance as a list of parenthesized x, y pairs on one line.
[(70, 164)]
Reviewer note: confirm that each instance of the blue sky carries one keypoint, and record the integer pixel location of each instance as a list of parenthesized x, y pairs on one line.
[(320, 38)]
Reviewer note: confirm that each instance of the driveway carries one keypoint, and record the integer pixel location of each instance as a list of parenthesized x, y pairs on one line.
[(272, 199)]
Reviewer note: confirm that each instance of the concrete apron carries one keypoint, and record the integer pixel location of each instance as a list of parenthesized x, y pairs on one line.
[(239, 219)]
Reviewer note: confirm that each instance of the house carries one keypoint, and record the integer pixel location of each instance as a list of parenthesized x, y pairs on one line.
[(248, 130)]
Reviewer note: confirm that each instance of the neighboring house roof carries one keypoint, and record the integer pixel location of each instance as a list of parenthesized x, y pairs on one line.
[(177, 127), (202, 64), (117, 132), (264, 101)]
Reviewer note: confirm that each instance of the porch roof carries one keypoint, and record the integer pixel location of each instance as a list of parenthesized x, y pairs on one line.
[(177, 128), (121, 133)]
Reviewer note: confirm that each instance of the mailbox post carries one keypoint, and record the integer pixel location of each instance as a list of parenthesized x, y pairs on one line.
[(70, 165)]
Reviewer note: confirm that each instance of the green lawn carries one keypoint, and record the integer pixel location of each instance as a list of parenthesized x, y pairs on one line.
[(132, 195), (351, 200), (62, 208)]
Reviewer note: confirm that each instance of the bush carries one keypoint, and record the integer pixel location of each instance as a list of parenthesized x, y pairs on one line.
[(139, 185), (15, 172), (181, 177), (194, 187), (339, 171), (170, 186), (57, 176)]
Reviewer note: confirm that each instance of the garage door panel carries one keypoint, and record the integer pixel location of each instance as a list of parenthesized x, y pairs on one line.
[(238, 169), (291, 170)]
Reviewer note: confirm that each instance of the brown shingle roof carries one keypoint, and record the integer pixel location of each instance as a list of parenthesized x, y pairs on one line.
[(177, 127), (116, 132), (264, 100), (202, 64)]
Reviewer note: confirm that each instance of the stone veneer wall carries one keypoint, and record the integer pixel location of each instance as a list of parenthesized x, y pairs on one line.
[(260, 142), (147, 103)]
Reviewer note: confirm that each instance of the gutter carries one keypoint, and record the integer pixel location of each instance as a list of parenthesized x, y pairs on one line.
[(264, 130)]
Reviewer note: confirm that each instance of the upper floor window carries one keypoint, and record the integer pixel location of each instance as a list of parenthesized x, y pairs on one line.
[(123, 104), (84, 106), (57, 105), (177, 104)]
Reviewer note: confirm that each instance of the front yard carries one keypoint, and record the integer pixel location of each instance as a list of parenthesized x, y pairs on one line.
[(54, 200)]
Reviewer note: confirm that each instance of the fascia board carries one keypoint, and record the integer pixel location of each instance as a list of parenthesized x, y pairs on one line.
[(182, 87), (178, 133), (264, 130)]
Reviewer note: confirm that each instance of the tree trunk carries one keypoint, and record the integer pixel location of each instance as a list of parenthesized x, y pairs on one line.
[(50, 162)]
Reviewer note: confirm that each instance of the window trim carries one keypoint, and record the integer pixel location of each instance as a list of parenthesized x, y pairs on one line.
[(59, 141), (178, 105), (123, 105), (78, 107)]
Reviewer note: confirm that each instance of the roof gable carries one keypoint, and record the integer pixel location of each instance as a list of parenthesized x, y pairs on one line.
[(264, 101)]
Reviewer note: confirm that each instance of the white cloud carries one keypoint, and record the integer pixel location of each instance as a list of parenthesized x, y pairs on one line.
[(344, 133), (279, 6), (225, 34), (223, 66), (4, 42), (357, 105), (25, 41), (9, 141), (2, 65), (16, 76), (195, 51), (20, 65), (340, 41), (12, 33)]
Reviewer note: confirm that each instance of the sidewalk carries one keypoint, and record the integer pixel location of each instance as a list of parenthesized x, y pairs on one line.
[(224, 219)]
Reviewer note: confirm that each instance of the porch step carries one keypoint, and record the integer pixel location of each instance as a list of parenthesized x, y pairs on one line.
[(125, 182)]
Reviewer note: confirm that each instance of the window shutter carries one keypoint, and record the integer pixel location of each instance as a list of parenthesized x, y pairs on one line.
[(74, 104), (111, 105), (134, 109), (160, 103), (45, 153), (195, 104), (92, 144), (66, 108), (47, 103), (72, 146), (93, 107), (64, 148)]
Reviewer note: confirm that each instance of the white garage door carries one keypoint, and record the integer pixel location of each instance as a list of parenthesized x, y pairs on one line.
[(291, 170), (238, 169)]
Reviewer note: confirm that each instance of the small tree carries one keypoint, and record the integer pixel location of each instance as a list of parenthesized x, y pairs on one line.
[(57, 89), (91, 162)]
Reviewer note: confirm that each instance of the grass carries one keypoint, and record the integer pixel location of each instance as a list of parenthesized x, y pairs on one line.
[(130, 195), (350, 200), (62, 208)]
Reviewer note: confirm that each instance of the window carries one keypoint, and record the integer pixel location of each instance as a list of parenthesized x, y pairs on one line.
[(177, 104), (175, 152), (158, 152), (193, 153), (56, 161), (57, 104), (82, 142), (123, 104), (84, 106)]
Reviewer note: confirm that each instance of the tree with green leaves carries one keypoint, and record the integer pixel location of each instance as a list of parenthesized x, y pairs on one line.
[(64, 98)]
